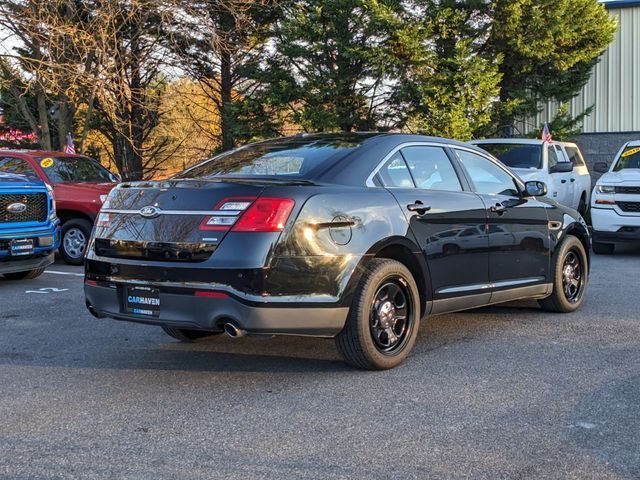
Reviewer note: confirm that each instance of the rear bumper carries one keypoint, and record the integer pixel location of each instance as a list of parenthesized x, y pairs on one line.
[(17, 264), (182, 309)]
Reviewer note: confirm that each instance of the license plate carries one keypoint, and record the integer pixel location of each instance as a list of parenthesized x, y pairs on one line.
[(23, 246), (142, 301)]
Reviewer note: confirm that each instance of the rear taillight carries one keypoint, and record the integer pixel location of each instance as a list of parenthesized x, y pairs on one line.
[(265, 215), (103, 220), (228, 212)]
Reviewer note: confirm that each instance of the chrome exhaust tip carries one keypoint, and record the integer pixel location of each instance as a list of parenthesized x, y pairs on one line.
[(233, 331)]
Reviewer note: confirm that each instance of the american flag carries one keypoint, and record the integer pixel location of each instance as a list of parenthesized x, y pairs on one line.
[(69, 148), (546, 134)]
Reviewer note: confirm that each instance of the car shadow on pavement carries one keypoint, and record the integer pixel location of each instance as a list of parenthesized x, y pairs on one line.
[(141, 348)]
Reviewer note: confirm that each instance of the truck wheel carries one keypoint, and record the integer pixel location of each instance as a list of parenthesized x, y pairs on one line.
[(603, 248), (383, 321), (75, 238), (28, 275), (570, 277), (186, 335)]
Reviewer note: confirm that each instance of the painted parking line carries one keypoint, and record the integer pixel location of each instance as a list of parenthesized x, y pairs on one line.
[(47, 290), (65, 273)]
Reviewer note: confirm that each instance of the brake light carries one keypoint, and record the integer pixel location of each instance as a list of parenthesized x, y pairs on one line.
[(228, 210), (103, 220), (265, 215)]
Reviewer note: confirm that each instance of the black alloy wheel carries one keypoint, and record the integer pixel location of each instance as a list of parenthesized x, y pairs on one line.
[(572, 279), (391, 315)]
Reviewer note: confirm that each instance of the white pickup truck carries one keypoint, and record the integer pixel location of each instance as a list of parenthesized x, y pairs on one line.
[(558, 164), (615, 206)]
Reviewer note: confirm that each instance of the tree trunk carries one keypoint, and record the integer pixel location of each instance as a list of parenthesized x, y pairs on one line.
[(226, 113), (44, 134), (127, 160), (226, 83), (66, 113)]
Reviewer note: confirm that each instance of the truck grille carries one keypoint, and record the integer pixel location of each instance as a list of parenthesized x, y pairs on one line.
[(629, 206), (36, 207), (161, 252), (628, 190)]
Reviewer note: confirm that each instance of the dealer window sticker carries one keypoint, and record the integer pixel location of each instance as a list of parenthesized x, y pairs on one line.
[(46, 162), (630, 152)]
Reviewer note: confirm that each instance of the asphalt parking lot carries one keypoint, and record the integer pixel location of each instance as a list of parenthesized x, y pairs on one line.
[(501, 392)]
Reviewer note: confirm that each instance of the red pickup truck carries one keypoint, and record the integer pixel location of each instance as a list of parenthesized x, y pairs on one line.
[(80, 186)]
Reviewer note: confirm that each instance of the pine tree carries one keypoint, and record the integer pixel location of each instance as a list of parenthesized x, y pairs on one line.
[(336, 62), (451, 90), (548, 50)]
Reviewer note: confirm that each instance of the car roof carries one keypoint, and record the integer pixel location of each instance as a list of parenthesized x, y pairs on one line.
[(633, 143), (365, 137)]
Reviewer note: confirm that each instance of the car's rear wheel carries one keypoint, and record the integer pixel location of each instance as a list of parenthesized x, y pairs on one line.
[(383, 321), (187, 335), (28, 275), (75, 238), (570, 277), (603, 248)]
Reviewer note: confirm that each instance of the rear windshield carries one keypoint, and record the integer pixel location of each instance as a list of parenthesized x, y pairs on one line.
[(290, 158), (74, 169), (515, 155), (629, 158)]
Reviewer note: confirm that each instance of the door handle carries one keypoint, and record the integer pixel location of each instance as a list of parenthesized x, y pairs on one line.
[(498, 208), (563, 181), (418, 207), (573, 179)]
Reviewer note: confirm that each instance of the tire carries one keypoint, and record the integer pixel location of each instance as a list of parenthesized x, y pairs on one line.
[(28, 275), (603, 248), (75, 238), (570, 254), (186, 335), (356, 341)]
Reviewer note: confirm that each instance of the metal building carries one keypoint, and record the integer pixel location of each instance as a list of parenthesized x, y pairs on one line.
[(613, 90)]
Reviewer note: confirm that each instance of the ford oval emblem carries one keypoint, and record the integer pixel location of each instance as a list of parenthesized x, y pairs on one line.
[(17, 208), (149, 211)]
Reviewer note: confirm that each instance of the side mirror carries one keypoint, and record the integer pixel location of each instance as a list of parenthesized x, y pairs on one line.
[(600, 167), (535, 188), (562, 167)]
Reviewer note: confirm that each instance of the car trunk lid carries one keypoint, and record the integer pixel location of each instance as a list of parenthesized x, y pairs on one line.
[(173, 220)]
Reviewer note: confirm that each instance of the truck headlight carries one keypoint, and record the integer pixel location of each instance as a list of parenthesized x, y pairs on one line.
[(607, 189), (52, 209)]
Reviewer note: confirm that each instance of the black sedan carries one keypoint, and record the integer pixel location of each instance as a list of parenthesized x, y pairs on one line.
[(356, 237)]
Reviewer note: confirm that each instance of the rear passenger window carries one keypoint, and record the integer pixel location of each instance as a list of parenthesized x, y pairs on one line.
[(395, 173), (553, 156), (575, 156), (17, 166), (431, 168)]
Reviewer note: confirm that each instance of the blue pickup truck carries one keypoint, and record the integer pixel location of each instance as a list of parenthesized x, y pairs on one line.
[(29, 228)]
